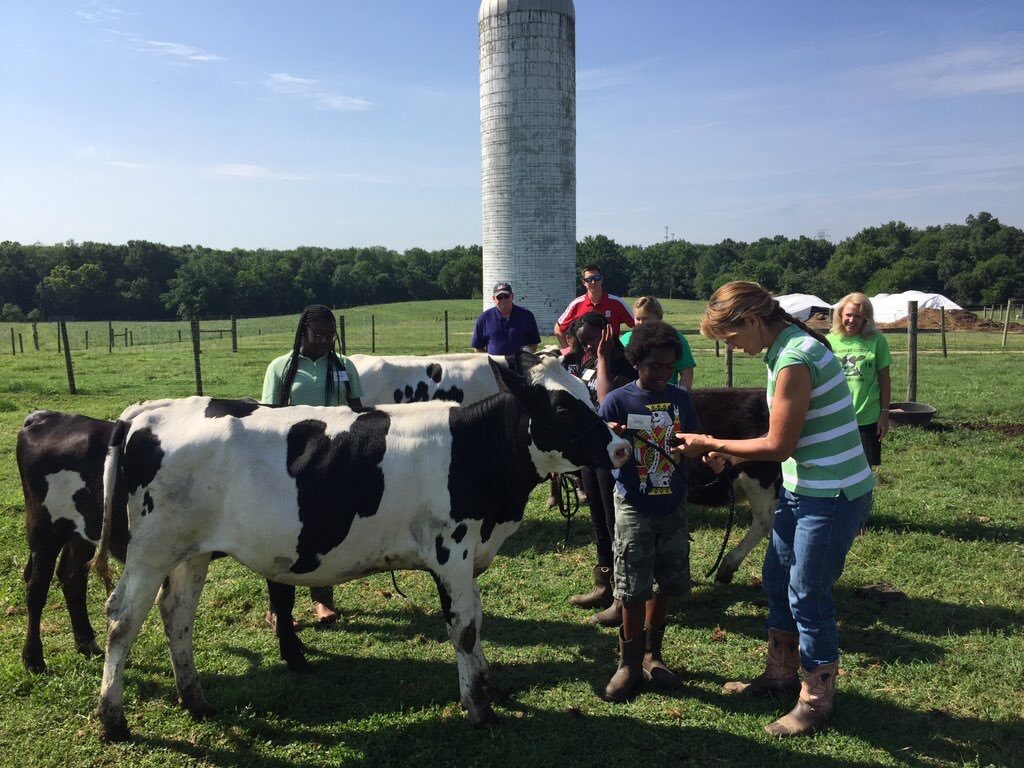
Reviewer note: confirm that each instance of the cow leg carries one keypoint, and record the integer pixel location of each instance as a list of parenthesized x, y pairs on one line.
[(38, 575), (178, 600), (73, 572), (282, 602), (127, 608), (460, 602), (762, 514)]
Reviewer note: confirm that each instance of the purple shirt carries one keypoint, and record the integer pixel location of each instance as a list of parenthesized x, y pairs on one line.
[(503, 336)]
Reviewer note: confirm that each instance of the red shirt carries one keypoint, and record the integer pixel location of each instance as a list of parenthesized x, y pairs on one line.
[(612, 308)]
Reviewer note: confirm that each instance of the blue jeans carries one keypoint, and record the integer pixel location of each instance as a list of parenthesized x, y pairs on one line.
[(806, 554)]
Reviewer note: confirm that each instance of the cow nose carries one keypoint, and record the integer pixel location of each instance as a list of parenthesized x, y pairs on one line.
[(620, 454)]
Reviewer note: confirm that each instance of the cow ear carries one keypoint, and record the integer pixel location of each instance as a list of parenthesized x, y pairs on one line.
[(522, 361), (508, 380)]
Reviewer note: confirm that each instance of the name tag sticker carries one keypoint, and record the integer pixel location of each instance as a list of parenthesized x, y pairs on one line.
[(639, 421), (588, 374), (341, 375)]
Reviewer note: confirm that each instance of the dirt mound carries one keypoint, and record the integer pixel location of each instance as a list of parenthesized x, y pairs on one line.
[(819, 321), (956, 320)]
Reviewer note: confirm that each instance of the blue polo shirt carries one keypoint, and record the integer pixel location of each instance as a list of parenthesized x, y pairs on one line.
[(501, 336)]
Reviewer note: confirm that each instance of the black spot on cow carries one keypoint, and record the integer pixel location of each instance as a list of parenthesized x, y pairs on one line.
[(445, 598), (147, 504), (434, 373), (465, 554), (218, 409), (459, 533), (337, 479), (453, 394), (442, 551), (142, 458), (468, 639), (398, 396)]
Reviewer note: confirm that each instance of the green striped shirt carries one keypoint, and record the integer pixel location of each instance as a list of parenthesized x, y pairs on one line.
[(829, 457), (310, 384)]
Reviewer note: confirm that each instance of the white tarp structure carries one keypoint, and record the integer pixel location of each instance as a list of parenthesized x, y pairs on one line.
[(890, 307), (801, 305)]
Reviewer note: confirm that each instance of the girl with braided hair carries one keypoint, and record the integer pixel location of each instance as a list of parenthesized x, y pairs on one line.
[(824, 501), (313, 374)]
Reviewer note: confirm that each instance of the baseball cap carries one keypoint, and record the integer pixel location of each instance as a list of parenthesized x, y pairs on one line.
[(501, 288)]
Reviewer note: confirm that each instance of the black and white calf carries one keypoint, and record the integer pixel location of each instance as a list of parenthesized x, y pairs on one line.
[(460, 378), (60, 460), (736, 414), (313, 496)]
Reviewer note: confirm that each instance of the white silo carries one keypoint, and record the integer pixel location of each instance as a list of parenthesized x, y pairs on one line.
[(528, 151)]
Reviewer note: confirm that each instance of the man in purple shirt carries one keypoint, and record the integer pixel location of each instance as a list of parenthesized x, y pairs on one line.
[(505, 328)]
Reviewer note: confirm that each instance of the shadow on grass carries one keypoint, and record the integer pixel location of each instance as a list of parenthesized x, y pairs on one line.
[(959, 530), (876, 629)]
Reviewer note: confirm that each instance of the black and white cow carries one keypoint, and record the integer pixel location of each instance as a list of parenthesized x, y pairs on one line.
[(736, 414), (313, 496), (60, 460), (460, 378)]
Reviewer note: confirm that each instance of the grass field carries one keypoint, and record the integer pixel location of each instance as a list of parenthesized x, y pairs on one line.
[(934, 679)]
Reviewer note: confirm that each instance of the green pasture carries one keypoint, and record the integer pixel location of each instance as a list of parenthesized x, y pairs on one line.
[(932, 679)]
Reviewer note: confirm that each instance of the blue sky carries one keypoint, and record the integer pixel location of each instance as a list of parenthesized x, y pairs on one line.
[(256, 124)]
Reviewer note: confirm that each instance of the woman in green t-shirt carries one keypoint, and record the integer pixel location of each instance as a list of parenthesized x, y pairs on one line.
[(864, 354)]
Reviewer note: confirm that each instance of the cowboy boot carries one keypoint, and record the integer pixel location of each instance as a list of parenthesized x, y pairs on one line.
[(655, 668), (813, 708), (610, 616), (781, 669), (628, 678), (601, 597)]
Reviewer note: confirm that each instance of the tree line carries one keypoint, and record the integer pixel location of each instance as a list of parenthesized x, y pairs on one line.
[(978, 262)]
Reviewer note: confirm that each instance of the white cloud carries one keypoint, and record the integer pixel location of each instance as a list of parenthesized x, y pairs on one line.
[(175, 50), (250, 171), (602, 78), (89, 151), (307, 89), (128, 165), (993, 67), (99, 11)]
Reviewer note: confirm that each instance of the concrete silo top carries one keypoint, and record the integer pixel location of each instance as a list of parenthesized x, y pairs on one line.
[(492, 7)]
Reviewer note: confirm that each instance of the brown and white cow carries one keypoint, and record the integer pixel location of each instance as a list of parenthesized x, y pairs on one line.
[(314, 496)]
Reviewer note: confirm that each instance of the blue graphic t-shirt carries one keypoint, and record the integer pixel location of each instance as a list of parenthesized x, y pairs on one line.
[(648, 480)]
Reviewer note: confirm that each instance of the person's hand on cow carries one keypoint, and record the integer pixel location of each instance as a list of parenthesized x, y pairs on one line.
[(716, 461)]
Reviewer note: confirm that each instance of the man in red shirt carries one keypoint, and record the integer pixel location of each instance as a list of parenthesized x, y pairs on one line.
[(612, 308)]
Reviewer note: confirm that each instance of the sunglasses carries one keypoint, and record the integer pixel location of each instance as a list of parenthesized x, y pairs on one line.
[(592, 279), (503, 296)]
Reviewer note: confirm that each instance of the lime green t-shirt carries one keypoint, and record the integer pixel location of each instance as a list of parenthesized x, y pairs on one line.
[(862, 359), (685, 360), (310, 384)]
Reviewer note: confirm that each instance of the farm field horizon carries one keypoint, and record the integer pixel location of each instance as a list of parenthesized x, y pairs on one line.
[(932, 678)]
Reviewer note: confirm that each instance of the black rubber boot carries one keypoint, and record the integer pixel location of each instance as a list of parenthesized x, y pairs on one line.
[(628, 678), (601, 597)]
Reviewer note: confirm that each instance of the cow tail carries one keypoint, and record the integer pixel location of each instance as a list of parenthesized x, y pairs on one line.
[(111, 472)]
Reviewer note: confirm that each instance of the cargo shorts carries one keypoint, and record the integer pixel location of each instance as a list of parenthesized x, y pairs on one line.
[(652, 553)]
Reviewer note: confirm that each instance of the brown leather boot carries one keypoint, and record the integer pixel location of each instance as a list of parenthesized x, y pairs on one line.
[(610, 616), (781, 670), (655, 668), (628, 678), (813, 708), (601, 597)]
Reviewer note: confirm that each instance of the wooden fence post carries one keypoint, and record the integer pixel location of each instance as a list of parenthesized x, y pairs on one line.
[(110, 336), (179, 334), (1006, 322), (912, 351), (718, 351), (86, 338), (195, 355), (446, 331), (67, 358), (341, 333), (728, 366), (942, 328), (12, 341), (35, 336), (131, 338), (21, 343), (373, 335), (58, 338), (234, 334)]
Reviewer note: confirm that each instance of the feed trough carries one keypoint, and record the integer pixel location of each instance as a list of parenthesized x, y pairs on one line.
[(914, 414)]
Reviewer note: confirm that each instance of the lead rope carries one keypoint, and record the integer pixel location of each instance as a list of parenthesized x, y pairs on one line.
[(568, 501)]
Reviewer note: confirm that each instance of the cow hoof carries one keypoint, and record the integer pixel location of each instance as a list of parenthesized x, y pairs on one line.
[(115, 732), (552, 501), (200, 711), (33, 661), (486, 718), (724, 576), (89, 649)]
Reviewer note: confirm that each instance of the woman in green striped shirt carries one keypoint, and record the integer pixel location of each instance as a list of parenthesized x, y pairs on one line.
[(824, 501)]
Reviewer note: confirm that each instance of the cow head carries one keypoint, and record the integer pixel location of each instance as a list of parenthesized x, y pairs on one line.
[(566, 433)]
